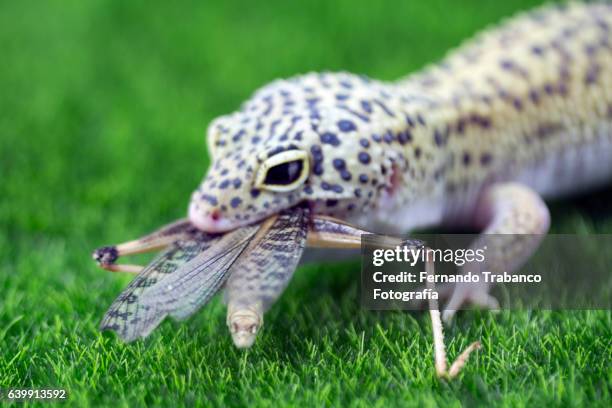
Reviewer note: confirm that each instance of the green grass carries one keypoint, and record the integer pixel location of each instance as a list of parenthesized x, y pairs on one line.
[(103, 107)]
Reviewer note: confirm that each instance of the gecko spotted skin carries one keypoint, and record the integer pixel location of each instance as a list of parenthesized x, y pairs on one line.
[(529, 102)]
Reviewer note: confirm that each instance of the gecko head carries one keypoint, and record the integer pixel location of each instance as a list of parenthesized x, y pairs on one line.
[(279, 151)]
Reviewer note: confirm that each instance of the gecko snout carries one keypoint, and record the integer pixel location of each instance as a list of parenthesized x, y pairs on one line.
[(211, 221)]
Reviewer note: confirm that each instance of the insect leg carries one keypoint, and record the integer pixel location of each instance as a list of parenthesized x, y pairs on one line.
[(329, 232), (135, 269), (159, 239)]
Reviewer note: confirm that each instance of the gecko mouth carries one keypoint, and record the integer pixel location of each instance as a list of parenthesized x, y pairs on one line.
[(213, 222)]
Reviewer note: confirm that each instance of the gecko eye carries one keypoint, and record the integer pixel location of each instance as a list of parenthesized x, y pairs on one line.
[(284, 171)]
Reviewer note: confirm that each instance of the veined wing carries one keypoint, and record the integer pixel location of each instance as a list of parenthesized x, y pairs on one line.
[(127, 311), (190, 287), (263, 272)]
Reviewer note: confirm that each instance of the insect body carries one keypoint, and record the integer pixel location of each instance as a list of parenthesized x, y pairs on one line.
[(521, 112)]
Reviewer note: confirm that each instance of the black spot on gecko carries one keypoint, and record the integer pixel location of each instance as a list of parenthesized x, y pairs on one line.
[(317, 159), (366, 106), (592, 74), (486, 159), (238, 135), (404, 137), (548, 88), (346, 84), (384, 107), (439, 138), (506, 64), (358, 115), (537, 50), (410, 121), (330, 138), (388, 137), (346, 125), (339, 164), (364, 157), (212, 200), (235, 202), (460, 126)]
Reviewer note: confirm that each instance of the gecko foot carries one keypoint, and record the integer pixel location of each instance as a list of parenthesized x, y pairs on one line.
[(469, 295)]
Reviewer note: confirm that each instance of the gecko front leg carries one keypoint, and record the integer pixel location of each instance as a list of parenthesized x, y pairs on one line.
[(515, 220)]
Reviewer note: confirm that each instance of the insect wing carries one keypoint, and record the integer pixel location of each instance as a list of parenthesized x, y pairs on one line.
[(127, 311), (263, 272), (192, 286)]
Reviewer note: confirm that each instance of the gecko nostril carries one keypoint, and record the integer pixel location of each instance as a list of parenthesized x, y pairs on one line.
[(215, 215)]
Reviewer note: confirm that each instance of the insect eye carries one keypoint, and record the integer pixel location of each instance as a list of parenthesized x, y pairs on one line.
[(284, 171)]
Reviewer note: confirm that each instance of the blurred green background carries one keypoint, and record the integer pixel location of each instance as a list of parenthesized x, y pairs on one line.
[(103, 109)]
